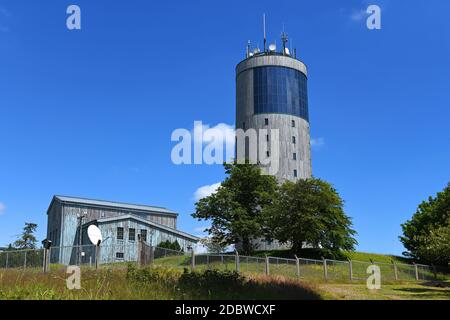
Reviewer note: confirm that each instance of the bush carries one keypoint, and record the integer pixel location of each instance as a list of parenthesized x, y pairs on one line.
[(170, 245), (153, 274), (211, 283)]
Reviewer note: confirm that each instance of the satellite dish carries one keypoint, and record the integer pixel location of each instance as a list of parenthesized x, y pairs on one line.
[(286, 50), (256, 51), (94, 234), (272, 47), (251, 54)]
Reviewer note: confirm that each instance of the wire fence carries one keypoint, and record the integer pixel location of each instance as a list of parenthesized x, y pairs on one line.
[(300, 268)]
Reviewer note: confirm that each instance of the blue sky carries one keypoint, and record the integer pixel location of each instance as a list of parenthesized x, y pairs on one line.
[(90, 113)]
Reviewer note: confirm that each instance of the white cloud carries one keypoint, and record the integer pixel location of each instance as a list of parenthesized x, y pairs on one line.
[(2, 208), (205, 191), (317, 142)]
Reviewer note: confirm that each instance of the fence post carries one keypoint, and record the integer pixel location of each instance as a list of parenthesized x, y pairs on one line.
[(297, 264), (25, 260), (395, 270), (193, 260), (434, 271), (97, 256), (350, 266), (237, 261), (207, 260), (417, 271), (152, 254), (325, 271), (44, 260), (267, 268)]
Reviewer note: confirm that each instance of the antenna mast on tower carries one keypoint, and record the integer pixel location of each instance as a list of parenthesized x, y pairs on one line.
[(264, 28)]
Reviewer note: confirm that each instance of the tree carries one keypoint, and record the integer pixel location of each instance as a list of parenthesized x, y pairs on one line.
[(235, 209), (170, 245), (27, 240), (213, 246), (424, 228), (435, 247), (310, 212)]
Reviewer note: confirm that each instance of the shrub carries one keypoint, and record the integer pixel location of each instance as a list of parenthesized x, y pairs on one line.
[(211, 282), (153, 274)]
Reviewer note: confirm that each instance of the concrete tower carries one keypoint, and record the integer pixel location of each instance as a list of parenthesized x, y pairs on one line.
[(271, 93)]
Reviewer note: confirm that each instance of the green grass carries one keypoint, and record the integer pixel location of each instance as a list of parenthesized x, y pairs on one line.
[(367, 257), (399, 291), (153, 283), (165, 283)]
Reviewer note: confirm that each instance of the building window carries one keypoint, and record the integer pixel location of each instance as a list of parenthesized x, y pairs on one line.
[(267, 137), (280, 90), (132, 234), (268, 154), (294, 156), (119, 233), (295, 173), (266, 121), (144, 235), (243, 125), (293, 139), (293, 123), (119, 255)]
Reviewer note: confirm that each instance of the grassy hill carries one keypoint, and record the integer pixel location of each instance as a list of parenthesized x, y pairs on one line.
[(344, 255)]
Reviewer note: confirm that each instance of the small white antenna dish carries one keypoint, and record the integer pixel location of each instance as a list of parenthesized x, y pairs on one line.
[(250, 54), (94, 234), (256, 51), (272, 47), (286, 51)]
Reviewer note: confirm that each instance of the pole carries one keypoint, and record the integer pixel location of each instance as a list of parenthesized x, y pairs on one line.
[(44, 261), (25, 260), (97, 255), (417, 271), (267, 269), (395, 270), (350, 266), (325, 271), (192, 260), (237, 261), (264, 26), (297, 263)]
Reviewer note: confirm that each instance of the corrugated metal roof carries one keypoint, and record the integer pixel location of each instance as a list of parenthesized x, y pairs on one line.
[(117, 205), (157, 225)]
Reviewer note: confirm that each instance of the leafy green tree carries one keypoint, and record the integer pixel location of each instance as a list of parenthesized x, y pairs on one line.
[(176, 246), (235, 209), (424, 228), (310, 212), (27, 240), (170, 245), (212, 245), (435, 247)]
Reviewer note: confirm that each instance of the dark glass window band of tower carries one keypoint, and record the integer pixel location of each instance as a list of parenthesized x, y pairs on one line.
[(271, 93)]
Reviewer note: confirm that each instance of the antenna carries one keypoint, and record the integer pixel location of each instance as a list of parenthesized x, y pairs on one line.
[(284, 38), (248, 49), (264, 27)]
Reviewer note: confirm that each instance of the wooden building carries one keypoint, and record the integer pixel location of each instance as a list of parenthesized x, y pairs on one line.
[(120, 223)]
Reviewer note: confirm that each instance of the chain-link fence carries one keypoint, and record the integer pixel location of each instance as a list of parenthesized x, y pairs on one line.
[(22, 259), (141, 253)]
